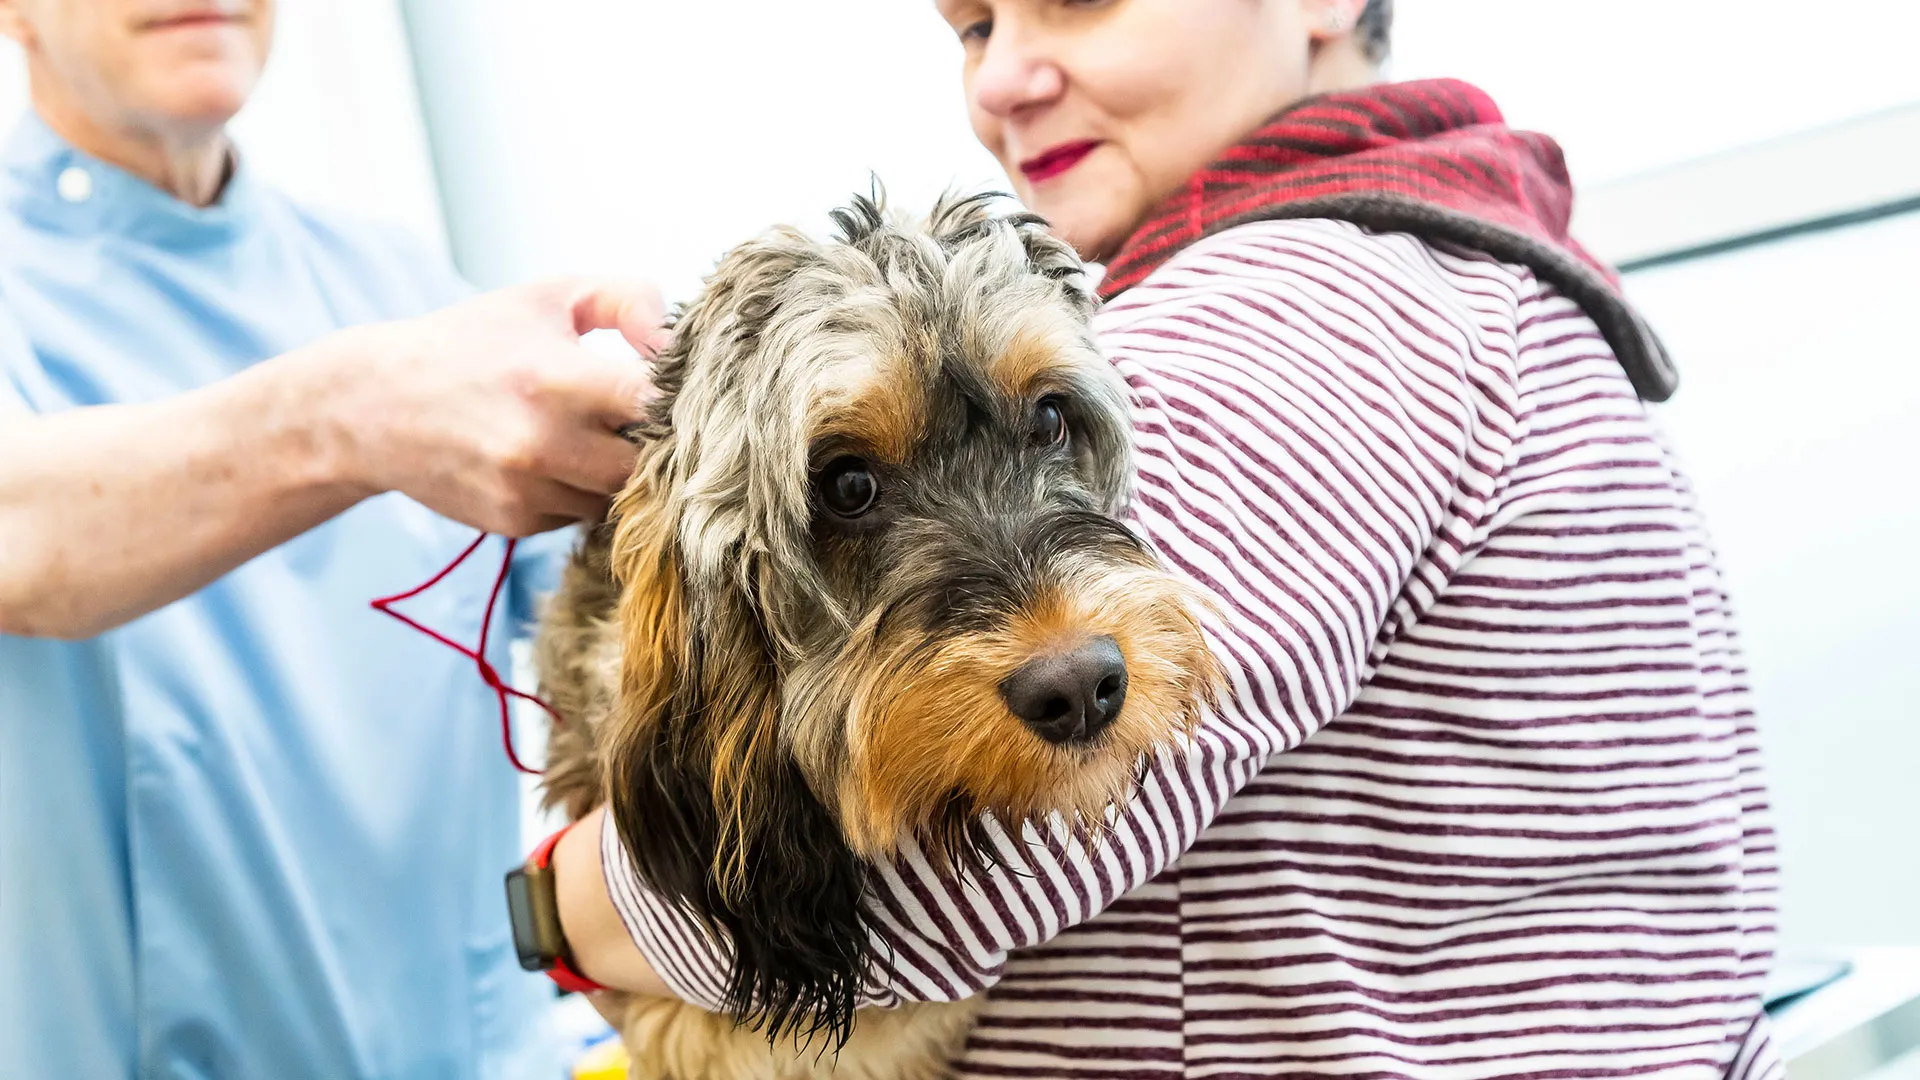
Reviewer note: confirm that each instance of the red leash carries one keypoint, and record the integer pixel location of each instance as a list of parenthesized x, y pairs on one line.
[(488, 673)]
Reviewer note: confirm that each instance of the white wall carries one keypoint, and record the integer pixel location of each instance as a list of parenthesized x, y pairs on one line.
[(1799, 420), (649, 136), (1630, 85), (336, 120)]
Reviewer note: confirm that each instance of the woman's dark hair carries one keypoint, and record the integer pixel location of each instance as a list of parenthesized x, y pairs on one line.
[(1375, 29)]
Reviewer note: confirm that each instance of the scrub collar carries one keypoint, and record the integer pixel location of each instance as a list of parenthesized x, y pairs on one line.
[(51, 184)]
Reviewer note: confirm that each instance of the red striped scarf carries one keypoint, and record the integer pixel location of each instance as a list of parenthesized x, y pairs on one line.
[(1433, 158)]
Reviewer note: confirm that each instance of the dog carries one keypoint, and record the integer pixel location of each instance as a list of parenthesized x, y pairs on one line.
[(869, 583)]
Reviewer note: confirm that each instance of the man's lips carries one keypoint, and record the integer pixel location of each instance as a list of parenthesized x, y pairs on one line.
[(198, 19), (1051, 163)]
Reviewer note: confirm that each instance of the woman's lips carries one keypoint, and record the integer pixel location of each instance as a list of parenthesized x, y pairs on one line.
[(1051, 163)]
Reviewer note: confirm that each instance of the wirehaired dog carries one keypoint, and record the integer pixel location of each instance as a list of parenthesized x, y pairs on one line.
[(867, 584)]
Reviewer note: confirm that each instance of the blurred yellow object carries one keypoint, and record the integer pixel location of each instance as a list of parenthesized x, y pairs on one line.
[(607, 1061)]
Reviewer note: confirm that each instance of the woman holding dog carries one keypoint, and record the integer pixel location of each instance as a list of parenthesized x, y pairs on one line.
[(1483, 798)]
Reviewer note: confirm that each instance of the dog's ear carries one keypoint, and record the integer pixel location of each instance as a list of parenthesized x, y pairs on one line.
[(962, 219), (722, 822), (669, 836), (782, 881), (733, 308), (715, 814), (1051, 257)]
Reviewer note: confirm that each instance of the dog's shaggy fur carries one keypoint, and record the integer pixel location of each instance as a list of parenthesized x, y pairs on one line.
[(775, 694)]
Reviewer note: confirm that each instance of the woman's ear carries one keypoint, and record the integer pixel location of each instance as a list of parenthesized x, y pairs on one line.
[(14, 24), (1345, 42), (1331, 20)]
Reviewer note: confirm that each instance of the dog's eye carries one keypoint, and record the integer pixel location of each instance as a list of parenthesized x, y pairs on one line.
[(1049, 423), (847, 486)]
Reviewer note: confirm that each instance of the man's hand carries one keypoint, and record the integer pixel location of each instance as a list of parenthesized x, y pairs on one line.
[(492, 412)]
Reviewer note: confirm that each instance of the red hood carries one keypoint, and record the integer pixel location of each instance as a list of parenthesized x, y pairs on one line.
[(1433, 158)]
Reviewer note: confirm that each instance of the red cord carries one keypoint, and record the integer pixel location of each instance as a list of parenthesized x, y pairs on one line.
[(488, 674)]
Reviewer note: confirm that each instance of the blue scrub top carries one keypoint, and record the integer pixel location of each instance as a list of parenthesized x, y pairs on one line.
[(261, 831)]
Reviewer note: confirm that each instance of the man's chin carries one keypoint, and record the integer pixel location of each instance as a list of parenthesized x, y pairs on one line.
[(202, 101)]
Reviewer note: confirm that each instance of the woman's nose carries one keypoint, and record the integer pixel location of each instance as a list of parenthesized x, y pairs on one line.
[(1014, 76)]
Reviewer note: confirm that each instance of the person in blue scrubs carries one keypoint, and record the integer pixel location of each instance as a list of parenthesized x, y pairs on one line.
[(248, 826)]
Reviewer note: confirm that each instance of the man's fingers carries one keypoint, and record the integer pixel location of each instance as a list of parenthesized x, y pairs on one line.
[(543, 524), (611, 392), (610, 464), (632, 307), (595, 461), (555, 501)]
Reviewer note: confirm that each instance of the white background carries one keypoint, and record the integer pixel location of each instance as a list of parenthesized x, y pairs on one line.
[(646, 136), (1799, 421), (1629, 85)]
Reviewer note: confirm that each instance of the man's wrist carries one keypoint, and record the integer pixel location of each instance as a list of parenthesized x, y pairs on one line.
[(316, 398)]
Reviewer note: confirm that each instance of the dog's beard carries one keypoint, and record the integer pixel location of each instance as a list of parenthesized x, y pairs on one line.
[(904, 731)]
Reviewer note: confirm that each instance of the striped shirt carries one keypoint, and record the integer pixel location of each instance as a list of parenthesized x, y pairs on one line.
[(1484, 799)]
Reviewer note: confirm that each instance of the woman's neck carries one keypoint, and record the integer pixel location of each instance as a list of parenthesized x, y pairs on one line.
[(190, 166), (1340, 65)]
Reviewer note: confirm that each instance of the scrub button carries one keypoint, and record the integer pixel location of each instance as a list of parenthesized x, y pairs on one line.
[(75, 185)]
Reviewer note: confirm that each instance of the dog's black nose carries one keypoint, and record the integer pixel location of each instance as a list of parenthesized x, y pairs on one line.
[(1070, 697)]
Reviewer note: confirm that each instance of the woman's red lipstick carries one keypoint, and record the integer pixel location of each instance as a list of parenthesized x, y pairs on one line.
[(1051, 163)]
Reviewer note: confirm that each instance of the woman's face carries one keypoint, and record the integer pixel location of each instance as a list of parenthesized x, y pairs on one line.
[(1099, 109)]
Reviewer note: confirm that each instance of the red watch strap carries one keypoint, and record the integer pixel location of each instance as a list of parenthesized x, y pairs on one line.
[(543, 853), (566, 978), (562, 972)]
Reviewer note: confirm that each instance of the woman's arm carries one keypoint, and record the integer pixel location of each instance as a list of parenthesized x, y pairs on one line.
[(1321, 416), (490, 412), (592, 926)]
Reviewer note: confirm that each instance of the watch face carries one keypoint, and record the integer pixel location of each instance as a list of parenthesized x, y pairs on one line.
[(536, 929)]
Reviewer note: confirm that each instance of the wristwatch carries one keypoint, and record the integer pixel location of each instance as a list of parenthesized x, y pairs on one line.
[(533, 908)]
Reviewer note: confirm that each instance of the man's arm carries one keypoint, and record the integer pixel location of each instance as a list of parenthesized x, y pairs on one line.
[(490, 412)]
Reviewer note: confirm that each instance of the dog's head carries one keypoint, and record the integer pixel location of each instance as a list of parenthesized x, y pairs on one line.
[(874, 585)]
